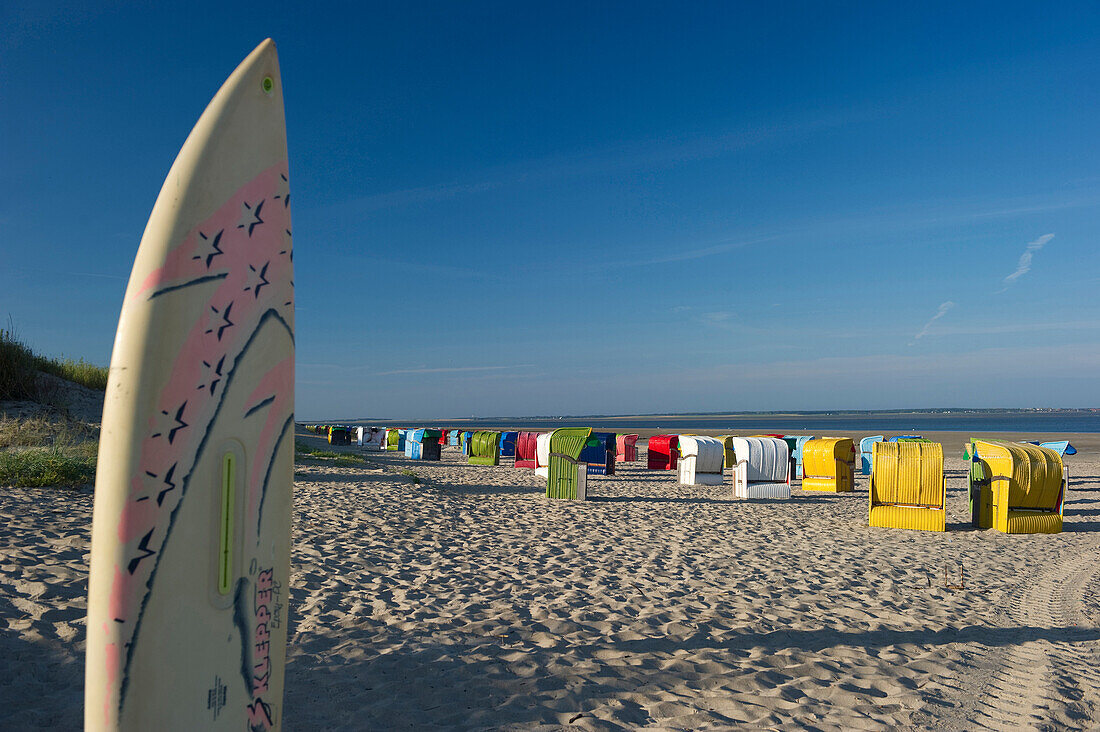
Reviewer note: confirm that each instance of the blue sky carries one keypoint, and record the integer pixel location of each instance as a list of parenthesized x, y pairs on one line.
[(510, 209)]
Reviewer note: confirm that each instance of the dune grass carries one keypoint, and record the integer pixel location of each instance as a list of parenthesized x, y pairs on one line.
[(41, 467), (304, 451), (19, 367)]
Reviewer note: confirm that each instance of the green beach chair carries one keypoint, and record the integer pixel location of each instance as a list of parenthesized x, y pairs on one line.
[(484, 448), (568, 477)]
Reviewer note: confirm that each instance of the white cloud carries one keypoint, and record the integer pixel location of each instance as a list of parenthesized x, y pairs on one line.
[(1024, 265), (944, 307)]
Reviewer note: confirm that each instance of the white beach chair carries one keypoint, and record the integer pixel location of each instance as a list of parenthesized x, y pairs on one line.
[(763, 468), (701, 460), (542, 454)]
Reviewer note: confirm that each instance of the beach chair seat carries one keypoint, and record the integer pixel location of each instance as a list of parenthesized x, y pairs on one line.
[(626, 448), (907, 486), (542, 454), (484, 448), (1016, 488), (762, 469), (662, 453), (866, 446), (568, 475), (828, 464), (701, 460)]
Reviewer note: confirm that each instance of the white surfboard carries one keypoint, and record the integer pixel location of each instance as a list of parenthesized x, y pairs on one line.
[(187, 599)]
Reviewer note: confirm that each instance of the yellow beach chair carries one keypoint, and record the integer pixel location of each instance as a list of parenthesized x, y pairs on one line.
[(1016, 488), (730, 458), (908, 489), (828, 464)]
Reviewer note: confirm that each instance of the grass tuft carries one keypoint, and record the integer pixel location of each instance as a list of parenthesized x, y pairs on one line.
[(41, 467), (411, 474)]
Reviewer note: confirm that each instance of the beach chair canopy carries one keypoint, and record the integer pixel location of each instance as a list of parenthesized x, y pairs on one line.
[(1062, 447), (542, 454), (828, 464), (1017, 488), (599, 453), (525, 449), (907, 489), (508, 443), (662, 452), (626, 448), (902, 438), (567, 472), (865, 447)]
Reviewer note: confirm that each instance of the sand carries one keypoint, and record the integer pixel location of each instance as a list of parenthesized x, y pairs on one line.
[(470, 601)]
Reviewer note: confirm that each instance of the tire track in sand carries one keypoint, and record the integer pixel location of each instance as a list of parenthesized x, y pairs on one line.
[(1041, 682)]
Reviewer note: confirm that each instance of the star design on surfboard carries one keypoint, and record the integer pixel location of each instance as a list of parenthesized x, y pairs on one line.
[(167, 425), (282, 190), (158, 486), (257, 278), (209, 248), (250, 216), (146, 552), (288, 244), (211, 374), (219, 321)]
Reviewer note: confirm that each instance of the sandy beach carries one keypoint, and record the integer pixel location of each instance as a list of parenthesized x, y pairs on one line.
[(467, 600)]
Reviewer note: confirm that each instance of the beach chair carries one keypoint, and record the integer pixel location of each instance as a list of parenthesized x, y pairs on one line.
[(339, 436), (422, 444), (865, 454), (763, 468), (453, 438), (542, 454), (701, 460), (568, 475), (907, 486), (1062, 447), (464, 440), (371, 438), (729, 458), (508, 444), (1016, 488), (484, 448), (392, 439), (828, 464), (599, 453), (661, 453), (626, 448), (794, 445), (525, 449)]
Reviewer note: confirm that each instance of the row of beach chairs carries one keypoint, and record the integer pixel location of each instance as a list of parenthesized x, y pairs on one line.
[(1013, 487)]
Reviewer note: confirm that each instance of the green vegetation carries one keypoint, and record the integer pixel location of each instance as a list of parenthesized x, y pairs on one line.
[(40, 467), (19, 367), (411, 474), (36, 452), (304, 451)]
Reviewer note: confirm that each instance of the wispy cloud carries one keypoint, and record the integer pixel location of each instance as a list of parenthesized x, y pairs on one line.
[(1024, 265), (944, 307)]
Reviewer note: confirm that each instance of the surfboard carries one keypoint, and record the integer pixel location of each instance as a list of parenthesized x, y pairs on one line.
[(187, 597)]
